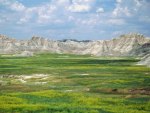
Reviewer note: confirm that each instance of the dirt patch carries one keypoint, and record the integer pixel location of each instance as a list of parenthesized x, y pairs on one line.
[(144, 91), (141, 91), (84, 74), (40, 83), (38, 76)]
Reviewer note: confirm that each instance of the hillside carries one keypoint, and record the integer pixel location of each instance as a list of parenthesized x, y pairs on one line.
[(126, 45), (115, 47)]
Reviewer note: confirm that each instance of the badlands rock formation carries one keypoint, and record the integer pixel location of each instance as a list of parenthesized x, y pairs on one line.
[(145, 60), (123, 45), (117, 46), (141, 50), (25, 54), (144, 52)]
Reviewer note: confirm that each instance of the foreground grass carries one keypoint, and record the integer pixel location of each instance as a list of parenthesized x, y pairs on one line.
[(54, 101), (75, 84)]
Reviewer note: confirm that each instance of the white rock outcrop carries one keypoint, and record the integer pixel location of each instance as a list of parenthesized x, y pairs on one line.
[(26, 53), (145, 60), (116, 47)]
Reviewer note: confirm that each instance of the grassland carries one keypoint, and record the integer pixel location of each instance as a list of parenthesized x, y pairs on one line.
[(73, 84)]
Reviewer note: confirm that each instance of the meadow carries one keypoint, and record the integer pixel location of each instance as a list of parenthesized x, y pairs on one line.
[(66, 83)]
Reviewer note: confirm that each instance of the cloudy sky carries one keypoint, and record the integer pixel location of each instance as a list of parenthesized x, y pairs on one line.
[(77, 19)]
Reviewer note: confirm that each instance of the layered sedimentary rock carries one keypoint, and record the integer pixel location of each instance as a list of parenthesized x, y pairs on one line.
[(123, 45), (144, 52), (145, 60), (141, 50)]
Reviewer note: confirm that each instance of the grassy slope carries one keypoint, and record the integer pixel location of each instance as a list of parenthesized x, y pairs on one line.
[(77, 84)]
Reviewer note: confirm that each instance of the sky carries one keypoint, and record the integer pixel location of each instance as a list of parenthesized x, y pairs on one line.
[(74, 19)]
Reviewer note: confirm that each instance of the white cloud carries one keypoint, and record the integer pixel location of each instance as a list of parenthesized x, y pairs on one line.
[(138, 3), (23, 20), (130, 8), (79, 8), (60, 14), (81, 5), (82, 1), (41, 14), (13, 5), (44, 13), (145, 19), (119, 1), (90, 22), (100, 10), (3, 18), (4, 2), (27, 15), (60, 2), (121, 11), (17, 6), (117, 33), (116, 21), (71, 18)]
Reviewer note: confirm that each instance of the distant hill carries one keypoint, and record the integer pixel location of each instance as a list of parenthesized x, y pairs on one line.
[(129, 43), (126, 45), (115, 47)]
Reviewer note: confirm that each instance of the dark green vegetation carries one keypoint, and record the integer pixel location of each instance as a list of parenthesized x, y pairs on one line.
[(73, 84)]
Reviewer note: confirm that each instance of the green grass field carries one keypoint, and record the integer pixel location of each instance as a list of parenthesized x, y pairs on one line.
[(73, 84)]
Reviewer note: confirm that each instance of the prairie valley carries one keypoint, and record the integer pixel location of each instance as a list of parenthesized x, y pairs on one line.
[(74, 56), (67, 83)]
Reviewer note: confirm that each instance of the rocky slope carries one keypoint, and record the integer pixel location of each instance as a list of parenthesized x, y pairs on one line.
[(123, 45), (144, 52), (141, 50), (145, 60)]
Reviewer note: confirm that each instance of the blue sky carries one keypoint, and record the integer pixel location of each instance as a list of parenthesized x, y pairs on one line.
[(76, 19)]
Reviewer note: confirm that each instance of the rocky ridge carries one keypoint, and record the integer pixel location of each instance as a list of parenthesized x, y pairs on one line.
[(116, 47)]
